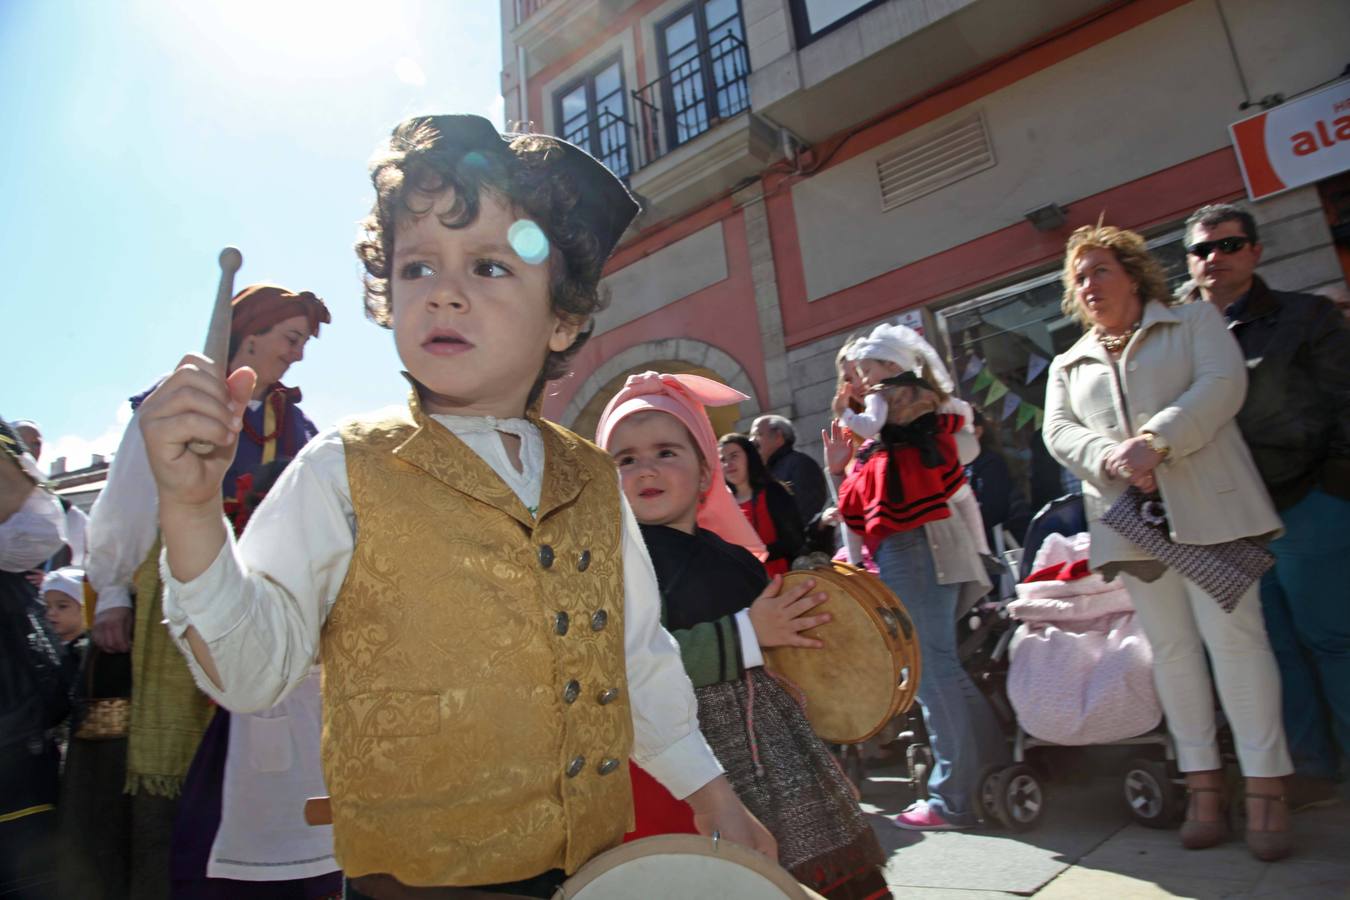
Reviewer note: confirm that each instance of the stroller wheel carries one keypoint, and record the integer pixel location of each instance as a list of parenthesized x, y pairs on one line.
[(1152, 797), (990, 806), (1023, 799)]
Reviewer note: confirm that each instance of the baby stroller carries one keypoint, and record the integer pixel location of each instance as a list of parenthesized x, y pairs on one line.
[(1080, 672), (1062, 664)]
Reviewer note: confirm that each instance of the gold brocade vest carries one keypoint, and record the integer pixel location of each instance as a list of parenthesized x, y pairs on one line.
[(476, 719)]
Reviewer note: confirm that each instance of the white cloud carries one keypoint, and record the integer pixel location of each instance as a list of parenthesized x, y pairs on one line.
[(78, 449), (409, 71)]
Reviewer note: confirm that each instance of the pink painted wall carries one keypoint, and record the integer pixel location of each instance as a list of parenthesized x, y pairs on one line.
[(722, 315)]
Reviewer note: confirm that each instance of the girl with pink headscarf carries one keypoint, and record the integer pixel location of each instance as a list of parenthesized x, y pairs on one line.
[(718, 603)]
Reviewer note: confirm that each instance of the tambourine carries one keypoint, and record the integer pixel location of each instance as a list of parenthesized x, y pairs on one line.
[(868, 671)]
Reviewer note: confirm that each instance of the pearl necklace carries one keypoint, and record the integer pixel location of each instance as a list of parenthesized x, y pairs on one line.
[(1114, 343)]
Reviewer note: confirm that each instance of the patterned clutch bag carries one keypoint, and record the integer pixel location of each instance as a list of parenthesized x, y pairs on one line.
[(1224, 571)]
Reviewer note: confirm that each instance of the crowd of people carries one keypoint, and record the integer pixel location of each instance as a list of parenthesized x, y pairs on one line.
[(501, 649)]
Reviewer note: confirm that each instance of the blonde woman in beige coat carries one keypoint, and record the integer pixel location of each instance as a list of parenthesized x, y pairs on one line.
[(1147, 397)]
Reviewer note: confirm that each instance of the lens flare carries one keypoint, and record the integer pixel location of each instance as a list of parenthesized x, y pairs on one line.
[(528, 240), (474, 160)]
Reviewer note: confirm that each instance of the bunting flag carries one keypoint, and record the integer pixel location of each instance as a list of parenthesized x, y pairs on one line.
[(983, 381)]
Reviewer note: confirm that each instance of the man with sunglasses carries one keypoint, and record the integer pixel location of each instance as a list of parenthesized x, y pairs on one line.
[(1296, 420)]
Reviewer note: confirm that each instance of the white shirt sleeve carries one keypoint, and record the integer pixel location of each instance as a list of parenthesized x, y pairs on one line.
[(77, 524), (123, 523), (261, 604), (666, 738), (33, 533), (867, 424), (751, 654)]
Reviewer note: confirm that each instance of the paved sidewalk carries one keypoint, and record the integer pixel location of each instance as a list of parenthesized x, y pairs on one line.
[(1086, 846)]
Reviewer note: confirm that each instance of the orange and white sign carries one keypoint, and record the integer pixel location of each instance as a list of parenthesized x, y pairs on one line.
[(1296, 143)]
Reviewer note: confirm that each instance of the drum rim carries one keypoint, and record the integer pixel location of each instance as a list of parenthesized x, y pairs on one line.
[(681, 844), (906, 647)]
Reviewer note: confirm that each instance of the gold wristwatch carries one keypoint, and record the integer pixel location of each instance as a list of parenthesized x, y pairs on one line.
[(1157, 443)]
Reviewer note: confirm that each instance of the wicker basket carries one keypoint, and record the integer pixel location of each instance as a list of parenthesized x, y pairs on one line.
[(105, 719)]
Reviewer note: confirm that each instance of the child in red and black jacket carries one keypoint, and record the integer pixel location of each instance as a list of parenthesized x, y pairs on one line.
[(904, 478), (898, 496)]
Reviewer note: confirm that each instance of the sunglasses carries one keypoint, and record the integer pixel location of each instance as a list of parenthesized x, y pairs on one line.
[(1203, 249)]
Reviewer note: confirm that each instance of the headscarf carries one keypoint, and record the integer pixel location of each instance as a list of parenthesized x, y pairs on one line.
[(69, 580), (260, 306), (906, 348), (684, 397)]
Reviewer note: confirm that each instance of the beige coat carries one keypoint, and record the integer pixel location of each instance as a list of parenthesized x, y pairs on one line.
[(1183, 378)]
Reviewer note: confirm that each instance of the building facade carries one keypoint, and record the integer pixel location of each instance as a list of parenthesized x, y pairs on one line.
[(810, 167)]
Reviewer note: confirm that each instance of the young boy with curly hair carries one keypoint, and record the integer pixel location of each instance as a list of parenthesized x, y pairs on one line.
[(468, 573)]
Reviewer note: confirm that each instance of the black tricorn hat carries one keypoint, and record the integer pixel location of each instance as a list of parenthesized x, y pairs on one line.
[(603, 200)]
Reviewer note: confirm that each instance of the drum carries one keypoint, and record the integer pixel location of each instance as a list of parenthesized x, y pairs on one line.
[(679, 867), (868, 671)]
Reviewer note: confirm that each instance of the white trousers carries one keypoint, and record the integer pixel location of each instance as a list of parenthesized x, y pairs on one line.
[(1182, 622)]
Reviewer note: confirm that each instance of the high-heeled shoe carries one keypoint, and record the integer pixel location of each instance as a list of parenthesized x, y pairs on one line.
[(1265, 844), (1197, 834)]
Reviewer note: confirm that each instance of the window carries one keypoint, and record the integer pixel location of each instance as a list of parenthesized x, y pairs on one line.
[(706, 65), (814, 18), (591, 114)]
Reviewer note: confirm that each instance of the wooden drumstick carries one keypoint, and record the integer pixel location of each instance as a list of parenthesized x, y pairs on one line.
[(217, 347)]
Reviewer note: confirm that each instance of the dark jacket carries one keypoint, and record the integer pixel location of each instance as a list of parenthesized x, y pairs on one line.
[(790, 533), (1001, 500), (1296, 418), (704, 582), (803, 476)]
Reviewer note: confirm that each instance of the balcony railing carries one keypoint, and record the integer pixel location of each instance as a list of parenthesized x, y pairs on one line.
[(609, 138), (693, 97)]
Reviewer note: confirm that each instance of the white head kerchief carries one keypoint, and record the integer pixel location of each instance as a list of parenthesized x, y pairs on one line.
[(905, 347)]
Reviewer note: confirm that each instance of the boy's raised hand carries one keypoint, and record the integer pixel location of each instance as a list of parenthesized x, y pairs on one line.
[(194, 404), (779, 615)]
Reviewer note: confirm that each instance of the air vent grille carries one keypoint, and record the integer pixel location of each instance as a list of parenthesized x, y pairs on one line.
[(957, 151)]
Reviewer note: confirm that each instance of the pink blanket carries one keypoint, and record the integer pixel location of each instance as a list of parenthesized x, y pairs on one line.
[(1081, 670)]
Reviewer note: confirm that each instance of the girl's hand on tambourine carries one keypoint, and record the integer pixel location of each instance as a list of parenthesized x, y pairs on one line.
[(779, 615)]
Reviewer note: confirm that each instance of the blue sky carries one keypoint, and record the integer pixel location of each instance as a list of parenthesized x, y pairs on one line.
[(142, 136)]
